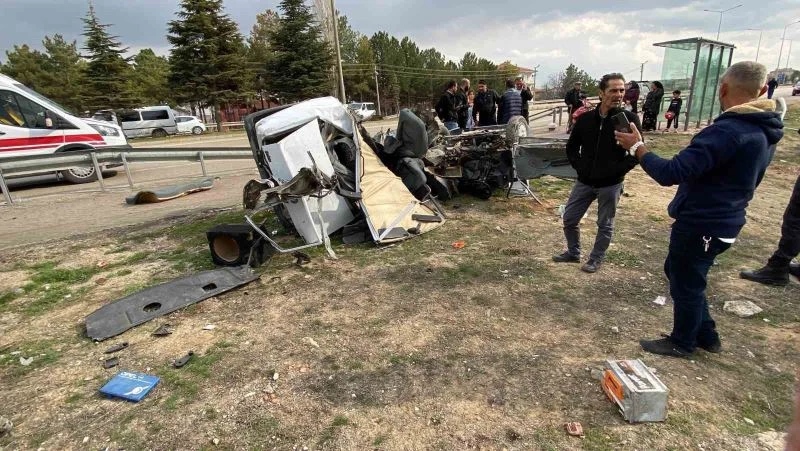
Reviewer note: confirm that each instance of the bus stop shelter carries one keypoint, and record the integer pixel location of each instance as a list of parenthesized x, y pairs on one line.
[(694, 66)]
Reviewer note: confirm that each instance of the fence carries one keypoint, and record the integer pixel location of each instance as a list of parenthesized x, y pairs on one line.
[(17, 166)]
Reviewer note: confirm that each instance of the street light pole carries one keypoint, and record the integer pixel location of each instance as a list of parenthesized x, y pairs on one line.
[(780, 54), (641, 71), (720, 12), (535, 71), (761, 33), (789, 53)]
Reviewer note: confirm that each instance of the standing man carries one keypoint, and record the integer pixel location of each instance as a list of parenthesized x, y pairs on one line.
[(716, 175), (526, 95), (771, 85), (462, 103), (780, 265), (573, 101), (446, 107), (601, 165), (485, 106), (510, 103)]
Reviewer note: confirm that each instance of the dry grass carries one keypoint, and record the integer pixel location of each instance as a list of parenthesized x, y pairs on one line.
[(421, 346)]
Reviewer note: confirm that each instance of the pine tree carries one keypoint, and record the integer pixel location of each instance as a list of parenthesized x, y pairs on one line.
[(150, 78), (65, 73), (107, 71), (259, 50), (26, 66), (302, 62), (207, 59)]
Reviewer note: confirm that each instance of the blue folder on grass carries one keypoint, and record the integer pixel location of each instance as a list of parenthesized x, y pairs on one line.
[(130, 386)]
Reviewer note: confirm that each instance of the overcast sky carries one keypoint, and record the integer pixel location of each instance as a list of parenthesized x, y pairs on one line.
[(598, 36)]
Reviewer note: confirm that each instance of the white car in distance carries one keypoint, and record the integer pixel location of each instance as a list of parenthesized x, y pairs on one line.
[(362, 110), (190, 124)]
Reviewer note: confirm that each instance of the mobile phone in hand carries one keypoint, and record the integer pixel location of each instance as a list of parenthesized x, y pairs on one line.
[(621, 123)]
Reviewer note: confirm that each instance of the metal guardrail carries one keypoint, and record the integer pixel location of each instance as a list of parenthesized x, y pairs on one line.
[(18, 166)]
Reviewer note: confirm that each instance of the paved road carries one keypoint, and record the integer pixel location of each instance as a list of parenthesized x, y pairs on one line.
[(48, 209)]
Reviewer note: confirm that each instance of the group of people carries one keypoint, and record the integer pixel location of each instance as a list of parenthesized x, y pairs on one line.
[(460, 108), (716, 174), (575, 99)]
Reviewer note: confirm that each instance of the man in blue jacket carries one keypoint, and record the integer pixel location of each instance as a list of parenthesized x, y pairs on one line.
[(716, 177), (510, 104)]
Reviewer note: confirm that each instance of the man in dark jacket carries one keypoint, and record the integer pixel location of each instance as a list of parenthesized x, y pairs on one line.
[(601, 165), (716, 175), (446, 107), (462, 103), (574, 101), (525, 94), (484, 110), (771, 85), (510, 103)]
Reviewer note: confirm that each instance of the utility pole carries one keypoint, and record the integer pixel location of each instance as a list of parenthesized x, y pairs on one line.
[(342, 96), (761, 33), (641, 71), (535, 71), (789, 53), (377, 91)]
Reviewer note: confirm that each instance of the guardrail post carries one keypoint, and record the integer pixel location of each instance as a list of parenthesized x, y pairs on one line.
[(560, 114), (98, 171), (4, 187), (127, 169), (202, 163), (554, 115)]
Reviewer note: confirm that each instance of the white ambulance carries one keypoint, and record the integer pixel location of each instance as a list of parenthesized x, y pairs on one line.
[(31, 124)]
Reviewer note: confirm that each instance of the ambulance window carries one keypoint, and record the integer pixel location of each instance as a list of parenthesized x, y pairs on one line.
[(33, 112), (10, 113)]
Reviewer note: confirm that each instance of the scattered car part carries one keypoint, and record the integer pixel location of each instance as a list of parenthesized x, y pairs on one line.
[(301, 258), (111, 363), (639, 394), (237, 244), (138, 308), (116, 348), (162, 331), (170, 192), (183, 360), (129, 385)]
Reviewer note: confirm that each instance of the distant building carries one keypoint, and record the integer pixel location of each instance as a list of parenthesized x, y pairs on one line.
[(526, 74), (782, 75)]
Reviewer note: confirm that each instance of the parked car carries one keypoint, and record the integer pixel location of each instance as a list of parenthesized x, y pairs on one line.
[(190, 124), (363, 110), (796, 89), (31, 124), (155, 121)]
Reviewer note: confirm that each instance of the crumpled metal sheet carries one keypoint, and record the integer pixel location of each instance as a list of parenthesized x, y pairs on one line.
[(138, 308)]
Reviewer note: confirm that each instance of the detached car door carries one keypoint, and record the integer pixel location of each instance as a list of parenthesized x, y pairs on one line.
[(24, 127)]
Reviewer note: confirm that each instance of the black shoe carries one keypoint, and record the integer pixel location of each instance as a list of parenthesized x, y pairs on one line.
[(768, 275), (566, 257), (590, 266), (794, 269), (663, 346), (713, 346)]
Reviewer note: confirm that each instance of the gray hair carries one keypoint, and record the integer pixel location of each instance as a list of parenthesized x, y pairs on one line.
[(746, 76), (465, 81)]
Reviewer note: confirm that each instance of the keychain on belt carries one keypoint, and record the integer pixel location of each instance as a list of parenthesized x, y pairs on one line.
[(706, 242)]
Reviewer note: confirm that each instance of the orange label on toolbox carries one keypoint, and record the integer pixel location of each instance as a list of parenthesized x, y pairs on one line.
[(612, 386)]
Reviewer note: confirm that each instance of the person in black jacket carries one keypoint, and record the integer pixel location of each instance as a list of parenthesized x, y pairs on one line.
[(574, 101), (674, 110), (484, 111), (462, 103), (601, 165), (510, 104), (652, 105), (446, 107), (526, 95)]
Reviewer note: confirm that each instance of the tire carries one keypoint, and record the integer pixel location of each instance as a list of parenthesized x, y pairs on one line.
[(197, 130), (159, 133), (79, 175), (516, 128)]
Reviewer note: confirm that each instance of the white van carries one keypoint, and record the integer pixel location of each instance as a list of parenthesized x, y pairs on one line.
[(31, 124), (155, 121), (362, 110)]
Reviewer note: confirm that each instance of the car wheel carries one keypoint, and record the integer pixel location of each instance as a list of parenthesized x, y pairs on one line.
[(197, 130), (159, 133), (83, 174)]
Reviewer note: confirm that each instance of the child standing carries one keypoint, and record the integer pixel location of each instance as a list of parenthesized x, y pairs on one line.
[(674, 110)]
